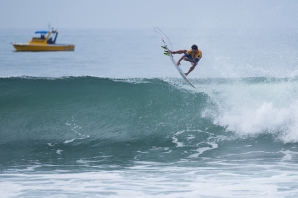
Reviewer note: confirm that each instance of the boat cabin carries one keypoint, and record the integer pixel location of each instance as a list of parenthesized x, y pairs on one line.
[(46, 37)]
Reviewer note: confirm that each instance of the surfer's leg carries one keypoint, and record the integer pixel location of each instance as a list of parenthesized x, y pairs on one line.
[(179, 52)]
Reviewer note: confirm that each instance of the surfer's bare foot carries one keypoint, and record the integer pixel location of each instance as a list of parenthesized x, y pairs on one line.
[(186, 74)]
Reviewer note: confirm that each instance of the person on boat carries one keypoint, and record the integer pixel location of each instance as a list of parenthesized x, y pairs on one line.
[(50, 41), (42, 37), (193, 55)]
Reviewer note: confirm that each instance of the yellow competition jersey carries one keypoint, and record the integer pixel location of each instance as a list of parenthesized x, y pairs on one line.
[(195, 55)]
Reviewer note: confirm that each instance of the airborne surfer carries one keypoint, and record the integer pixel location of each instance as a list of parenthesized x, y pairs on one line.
[(193, 55)]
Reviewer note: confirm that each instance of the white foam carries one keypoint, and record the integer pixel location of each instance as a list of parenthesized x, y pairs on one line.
[(203, 149), (264, 118), (255, 108), (59, 151), (288, 155), (157, 180), (69, 141)]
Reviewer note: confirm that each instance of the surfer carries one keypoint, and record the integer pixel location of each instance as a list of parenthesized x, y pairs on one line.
[(193, 55)]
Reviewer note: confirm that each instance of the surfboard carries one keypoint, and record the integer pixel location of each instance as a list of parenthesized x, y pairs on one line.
[(169, 54)]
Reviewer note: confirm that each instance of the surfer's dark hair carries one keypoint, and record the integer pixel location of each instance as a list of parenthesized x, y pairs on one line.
[(194, 47)]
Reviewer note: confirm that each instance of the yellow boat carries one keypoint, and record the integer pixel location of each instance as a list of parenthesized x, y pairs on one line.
[(44, 43)]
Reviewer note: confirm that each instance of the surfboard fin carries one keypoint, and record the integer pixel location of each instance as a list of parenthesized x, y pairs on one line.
[(167, 53)]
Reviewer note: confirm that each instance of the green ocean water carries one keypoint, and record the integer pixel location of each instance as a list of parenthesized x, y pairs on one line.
[(77, 117)]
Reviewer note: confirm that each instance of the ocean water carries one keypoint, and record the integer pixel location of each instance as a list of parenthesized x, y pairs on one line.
[(115, 119)]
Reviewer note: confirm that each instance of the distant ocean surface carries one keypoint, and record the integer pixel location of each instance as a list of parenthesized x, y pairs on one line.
[(115, 119)]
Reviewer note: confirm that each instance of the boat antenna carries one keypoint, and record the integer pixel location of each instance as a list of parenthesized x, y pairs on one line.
[(49, 26)]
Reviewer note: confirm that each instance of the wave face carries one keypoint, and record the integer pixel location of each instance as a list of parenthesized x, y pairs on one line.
[(123, 120)]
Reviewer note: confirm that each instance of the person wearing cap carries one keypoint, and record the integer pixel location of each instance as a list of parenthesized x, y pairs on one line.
[(193, 55)]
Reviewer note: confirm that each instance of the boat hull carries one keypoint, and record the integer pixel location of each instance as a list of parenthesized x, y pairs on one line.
[(43, 48)]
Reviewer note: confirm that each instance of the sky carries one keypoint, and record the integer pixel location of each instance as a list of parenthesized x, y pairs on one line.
[(149, 13)]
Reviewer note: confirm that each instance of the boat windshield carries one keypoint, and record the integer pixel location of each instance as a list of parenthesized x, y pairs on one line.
[(52, 38)]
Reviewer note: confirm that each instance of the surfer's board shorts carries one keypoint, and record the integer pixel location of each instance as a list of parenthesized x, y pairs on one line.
[(190, 58)]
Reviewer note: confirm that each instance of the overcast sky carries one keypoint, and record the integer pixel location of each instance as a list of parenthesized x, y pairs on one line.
[(148, 13)]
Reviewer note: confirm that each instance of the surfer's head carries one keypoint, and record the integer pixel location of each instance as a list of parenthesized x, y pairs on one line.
[(194, 47)]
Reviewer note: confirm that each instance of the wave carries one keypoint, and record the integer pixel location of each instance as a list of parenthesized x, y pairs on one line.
[(98, 112)]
